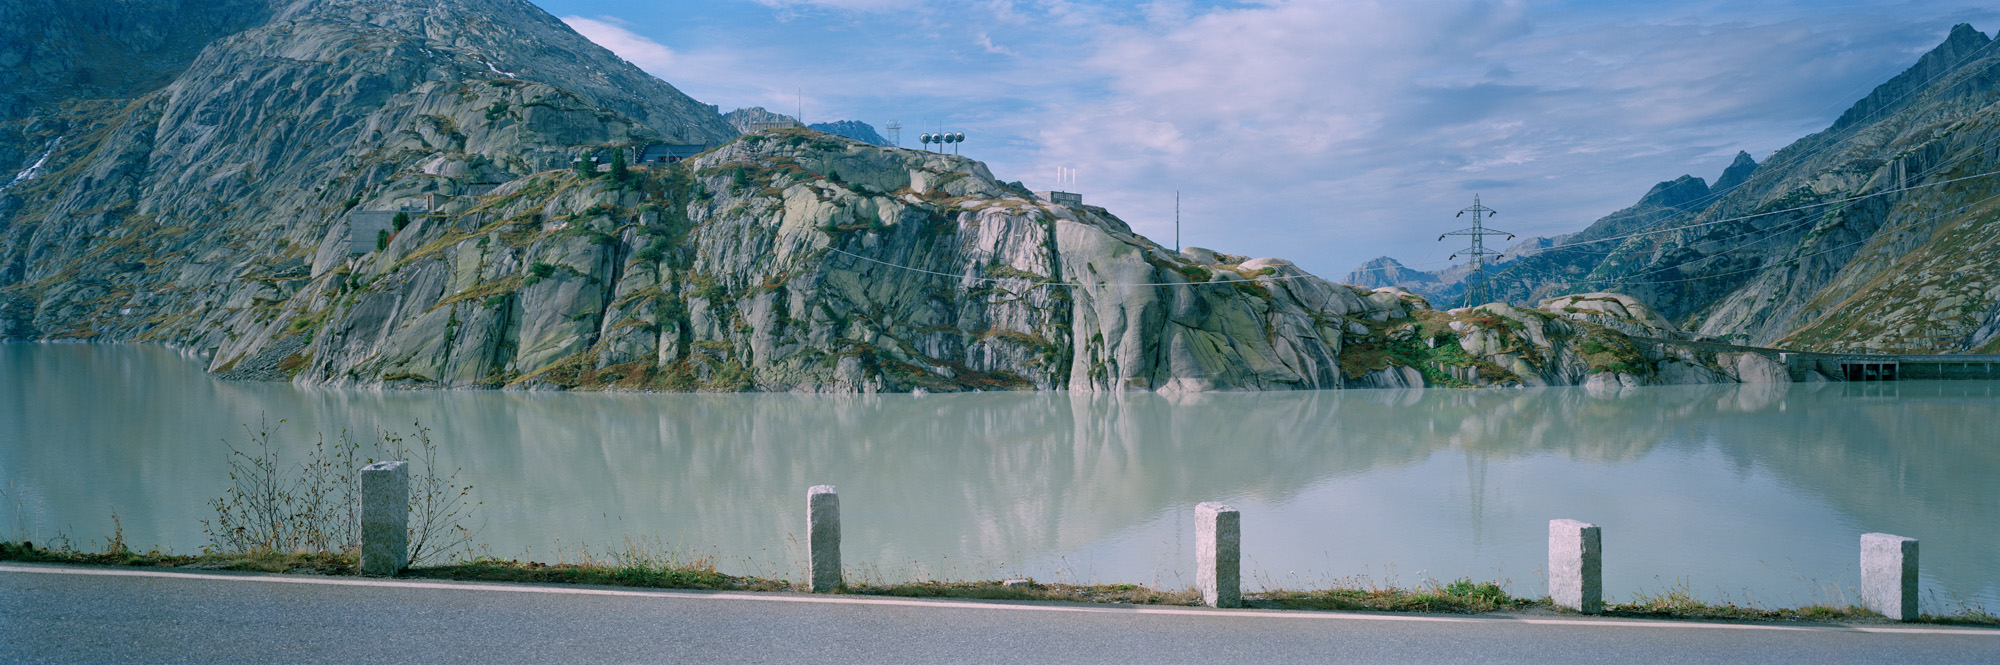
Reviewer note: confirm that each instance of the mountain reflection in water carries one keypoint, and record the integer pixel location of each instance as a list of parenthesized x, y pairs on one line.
[(1751, 492)]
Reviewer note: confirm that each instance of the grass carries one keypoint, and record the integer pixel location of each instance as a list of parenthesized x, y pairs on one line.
[(639, 565), (1462, 596), (1679, 602), (648, 576), (1130, 594), (117, 554)]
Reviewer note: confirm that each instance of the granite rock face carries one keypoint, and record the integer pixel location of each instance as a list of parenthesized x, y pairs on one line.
[(215, 213), (1872, 236), (1865, 237), (173, 214)]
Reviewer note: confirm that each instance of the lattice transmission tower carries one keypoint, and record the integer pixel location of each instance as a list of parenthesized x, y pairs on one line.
[(1476, 292)]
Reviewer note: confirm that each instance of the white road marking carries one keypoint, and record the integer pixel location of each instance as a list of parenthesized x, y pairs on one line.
[(777, 597)]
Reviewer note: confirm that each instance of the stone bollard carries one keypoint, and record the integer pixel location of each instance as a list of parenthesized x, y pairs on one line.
[(1218, 554), (1576, 566), (385, 518), (1889, 575), (823, 537)]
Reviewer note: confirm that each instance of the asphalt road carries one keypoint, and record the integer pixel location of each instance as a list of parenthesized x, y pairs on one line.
[(61, 614)]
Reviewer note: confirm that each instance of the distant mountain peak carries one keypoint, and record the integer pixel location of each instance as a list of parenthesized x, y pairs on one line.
[(853, 129), (748, 120), (1677, 192), (1952, 53), (1964, 33), (1738, 172)]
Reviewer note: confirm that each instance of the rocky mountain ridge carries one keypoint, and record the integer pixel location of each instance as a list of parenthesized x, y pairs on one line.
[(1446, 285), (752, 119), (228, 213), (1873, 235), (853, 129)]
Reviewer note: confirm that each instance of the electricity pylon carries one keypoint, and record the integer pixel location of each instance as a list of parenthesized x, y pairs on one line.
[(1476, 293)]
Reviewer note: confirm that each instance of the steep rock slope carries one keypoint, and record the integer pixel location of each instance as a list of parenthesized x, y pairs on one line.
[(797, 261), (214, 213), (1876, 234), (54, 50), (249, 160)]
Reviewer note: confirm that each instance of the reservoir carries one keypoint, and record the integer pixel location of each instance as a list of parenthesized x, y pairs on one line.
[(1744, 493)]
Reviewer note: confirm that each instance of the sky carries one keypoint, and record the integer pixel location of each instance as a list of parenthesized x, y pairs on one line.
[(1324, 132)]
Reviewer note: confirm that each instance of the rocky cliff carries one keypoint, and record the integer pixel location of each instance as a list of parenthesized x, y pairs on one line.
[(243, 210), (1873, 235), (798, 261)]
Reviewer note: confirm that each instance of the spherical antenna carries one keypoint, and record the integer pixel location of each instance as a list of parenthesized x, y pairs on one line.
[(958, 138)]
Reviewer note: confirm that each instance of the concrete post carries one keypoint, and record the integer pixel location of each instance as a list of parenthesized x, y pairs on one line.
[(1218, 554), (385, 518), (823, 537), (1889, 575), (1576, 566)]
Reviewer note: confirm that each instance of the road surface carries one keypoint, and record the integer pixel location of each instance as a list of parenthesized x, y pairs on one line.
[(71, 614)]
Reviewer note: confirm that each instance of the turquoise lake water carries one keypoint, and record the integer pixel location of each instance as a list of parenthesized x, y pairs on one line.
[(1753, 493)]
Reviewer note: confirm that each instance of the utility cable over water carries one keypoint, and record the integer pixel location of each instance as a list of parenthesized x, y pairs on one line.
[(1693, 208), (1304, 275)]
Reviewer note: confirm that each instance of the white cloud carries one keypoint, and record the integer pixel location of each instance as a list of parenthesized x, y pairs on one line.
[(1332, 132), (1326, 132), (987, 42), (649, 55)]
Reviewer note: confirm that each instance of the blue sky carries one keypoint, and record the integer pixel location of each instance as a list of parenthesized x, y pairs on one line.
[(1327, 133)]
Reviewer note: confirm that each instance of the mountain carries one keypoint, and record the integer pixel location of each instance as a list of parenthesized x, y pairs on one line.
[(1385, 271), (387, 193), (751, 119), (853, 129), (1738, 173), (747, 120), (1440, 286), (58, 50), (1868, 235), (1874, 234), (245, 155)]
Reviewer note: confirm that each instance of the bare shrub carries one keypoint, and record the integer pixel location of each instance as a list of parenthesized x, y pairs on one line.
[(314, 506), (439, 506)]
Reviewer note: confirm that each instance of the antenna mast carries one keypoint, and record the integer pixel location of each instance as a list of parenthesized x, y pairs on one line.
[(1476, 292), (895, 129), (1177, 221)]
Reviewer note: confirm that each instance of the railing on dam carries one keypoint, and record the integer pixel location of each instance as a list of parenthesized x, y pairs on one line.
[(1858, 366)]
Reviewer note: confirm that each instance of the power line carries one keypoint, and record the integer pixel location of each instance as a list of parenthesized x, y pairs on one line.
[(1444, 261), (1871, 237), (1764, 170), (1822, 204), (1303, 274), (1475, 281), (1826, 141), (1772, 235), (1573, 248)]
